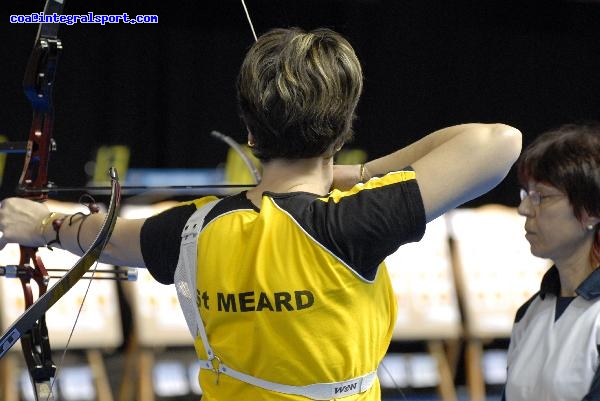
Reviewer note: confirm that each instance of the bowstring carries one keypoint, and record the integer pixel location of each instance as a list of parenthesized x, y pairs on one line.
[(384, 368), (249, 20), (68, 343), (93, 271), (397, 387), (79, 310)]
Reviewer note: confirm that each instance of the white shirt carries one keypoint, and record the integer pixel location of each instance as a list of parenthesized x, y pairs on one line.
[(556, 359)]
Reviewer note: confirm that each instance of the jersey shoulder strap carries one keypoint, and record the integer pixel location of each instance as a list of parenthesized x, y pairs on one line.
[(185, 273)]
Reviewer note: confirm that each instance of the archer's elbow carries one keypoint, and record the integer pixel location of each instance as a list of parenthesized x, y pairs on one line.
[(512, 141), (504, 143), (511, 137)]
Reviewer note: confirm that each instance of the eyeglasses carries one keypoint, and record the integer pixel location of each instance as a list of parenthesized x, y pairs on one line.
[(535, 196)]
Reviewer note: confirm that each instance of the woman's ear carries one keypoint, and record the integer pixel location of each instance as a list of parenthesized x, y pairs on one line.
[(591, 222), (251, 142)]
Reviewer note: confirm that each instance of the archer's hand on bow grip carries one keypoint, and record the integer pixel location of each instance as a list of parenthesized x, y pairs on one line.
[(20, 222)]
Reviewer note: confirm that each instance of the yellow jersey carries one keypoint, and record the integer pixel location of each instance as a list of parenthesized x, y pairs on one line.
[(294, 292)]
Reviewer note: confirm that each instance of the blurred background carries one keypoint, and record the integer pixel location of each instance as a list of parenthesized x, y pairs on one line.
[(159, 89)]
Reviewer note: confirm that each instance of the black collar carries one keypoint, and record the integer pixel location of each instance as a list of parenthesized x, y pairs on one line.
[(589, 289)]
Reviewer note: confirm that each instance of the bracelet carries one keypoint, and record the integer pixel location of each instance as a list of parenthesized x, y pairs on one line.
[(56, 224), (93, 208), (45, 222), (361, 176), (84, 216)]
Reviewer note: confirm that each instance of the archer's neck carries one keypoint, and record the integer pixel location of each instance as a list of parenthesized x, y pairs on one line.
[(313, 175)]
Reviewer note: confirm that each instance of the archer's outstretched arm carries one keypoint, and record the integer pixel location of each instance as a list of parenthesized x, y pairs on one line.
[(453, 165), (30, 223)]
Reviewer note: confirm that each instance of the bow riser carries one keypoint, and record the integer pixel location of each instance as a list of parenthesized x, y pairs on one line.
[(38, 84)]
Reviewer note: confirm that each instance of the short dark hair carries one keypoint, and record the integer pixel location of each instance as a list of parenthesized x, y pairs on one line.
[(568, 158), (298, 91)]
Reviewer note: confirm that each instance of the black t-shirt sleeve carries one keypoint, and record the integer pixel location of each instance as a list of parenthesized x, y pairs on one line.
[(160, 241), (389, 217), (365, 227)]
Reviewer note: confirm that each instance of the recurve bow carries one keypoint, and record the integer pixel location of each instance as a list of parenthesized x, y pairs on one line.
[(33, 184)]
